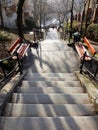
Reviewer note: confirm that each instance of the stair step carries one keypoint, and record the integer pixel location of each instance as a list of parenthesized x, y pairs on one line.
[(49, 123), (49, 90), (50, 98), (51, 83), (48, 110), (39, 78), (51, 74)]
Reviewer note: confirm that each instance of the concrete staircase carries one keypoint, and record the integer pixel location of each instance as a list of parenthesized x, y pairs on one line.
[(49, 101)]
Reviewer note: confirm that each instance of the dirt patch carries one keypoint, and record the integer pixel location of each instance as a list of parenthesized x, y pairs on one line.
[(6, 42)]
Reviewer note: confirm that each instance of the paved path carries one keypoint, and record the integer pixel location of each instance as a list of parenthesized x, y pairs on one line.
[(50, 101), (53, 55)]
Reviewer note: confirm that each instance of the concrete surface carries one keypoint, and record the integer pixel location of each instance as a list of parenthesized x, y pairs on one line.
[(50, 98), (50, 107), (49, 123), (50, 110), (49, 90), (50, 83), (90, 88), (6, 91), (53, 55)]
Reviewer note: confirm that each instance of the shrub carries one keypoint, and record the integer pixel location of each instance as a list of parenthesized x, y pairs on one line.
[(4, 36), (9, 64), (30, 24), (66, 26), (76, 26), (92, 32)]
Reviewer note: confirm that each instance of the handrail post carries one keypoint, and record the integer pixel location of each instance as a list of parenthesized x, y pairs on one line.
[(19, 64), (82, 63), (2, 68), (96, 71)]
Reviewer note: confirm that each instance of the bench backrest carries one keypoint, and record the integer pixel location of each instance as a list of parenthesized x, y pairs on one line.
[(22, 50), (15, 45), (90, 47), (81, 51)]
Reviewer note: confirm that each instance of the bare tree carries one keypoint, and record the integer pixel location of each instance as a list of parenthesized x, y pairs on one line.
[(78, 6), (39, 10)]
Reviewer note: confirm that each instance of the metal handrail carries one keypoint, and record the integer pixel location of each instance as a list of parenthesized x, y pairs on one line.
[(84, 66), (17, 67)]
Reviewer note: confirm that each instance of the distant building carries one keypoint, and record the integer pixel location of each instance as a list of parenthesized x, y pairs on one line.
[(8, 10), (8, 13), (92, 10)]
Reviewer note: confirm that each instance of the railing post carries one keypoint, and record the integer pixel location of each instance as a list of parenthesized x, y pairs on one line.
[(2, 68), (19, 64), (82, 63), (96, 71)]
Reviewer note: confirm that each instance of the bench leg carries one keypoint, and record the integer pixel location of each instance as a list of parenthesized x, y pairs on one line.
[(81, 67), (19, 64)]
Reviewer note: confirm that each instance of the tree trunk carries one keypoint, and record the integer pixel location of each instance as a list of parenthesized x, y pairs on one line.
[(19, 18), (86, 19), (2, 23), (71, 23), (83, 18)]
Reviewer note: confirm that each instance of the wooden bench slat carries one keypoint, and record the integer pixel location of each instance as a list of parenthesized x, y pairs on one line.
[(25, 49), (22, 50), (81, 51), (90, 47), (15, 45), (20, 46)]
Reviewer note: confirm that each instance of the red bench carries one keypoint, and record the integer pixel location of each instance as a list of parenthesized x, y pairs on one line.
[(90, 47), (85, 54), (81, 51), (22, 49), (15, 45), (20, 46)]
